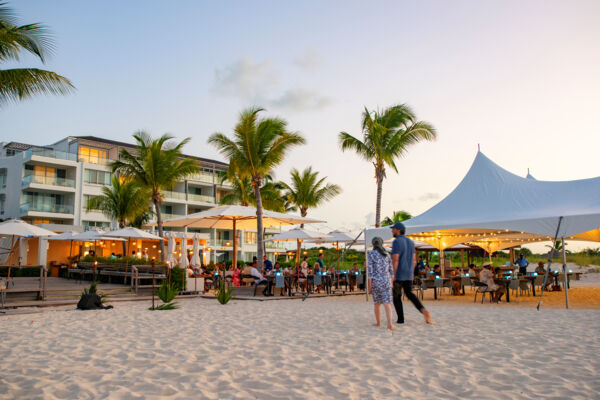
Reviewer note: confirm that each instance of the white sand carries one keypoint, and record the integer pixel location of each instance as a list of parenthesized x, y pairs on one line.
[(318, 349)]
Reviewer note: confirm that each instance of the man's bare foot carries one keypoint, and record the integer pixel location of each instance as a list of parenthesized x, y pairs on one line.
[(427, 316), (390, 327)]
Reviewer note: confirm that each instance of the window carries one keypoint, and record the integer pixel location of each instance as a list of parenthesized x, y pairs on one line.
[(2, 177), (2, 199), (96, 177), (250, 237), (95, 224), (93, 156), (195, 190), (10, 152), (86, 199)]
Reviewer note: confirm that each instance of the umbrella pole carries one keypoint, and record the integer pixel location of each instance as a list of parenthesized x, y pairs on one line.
[(298, 247), (12, 244), (566, 283), (234, 263)]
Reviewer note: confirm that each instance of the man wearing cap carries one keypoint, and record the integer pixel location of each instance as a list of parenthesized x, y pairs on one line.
[(403, 261), (522, 263)]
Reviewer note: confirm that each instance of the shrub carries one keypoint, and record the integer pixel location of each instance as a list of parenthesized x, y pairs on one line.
[(120, 260), (166, 293), (224, 294), (91, 290), (178, 278)]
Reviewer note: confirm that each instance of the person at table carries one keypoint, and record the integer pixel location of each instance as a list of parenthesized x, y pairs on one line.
[(540, 269), (259, 279), (236, 277), (522, 263), (487, 276), (268, 265), (437, 270), (353, 273), (472, 271), (403, 261), (420, 267), (380, 281), (321, 263), (113, 256), (300, 273)]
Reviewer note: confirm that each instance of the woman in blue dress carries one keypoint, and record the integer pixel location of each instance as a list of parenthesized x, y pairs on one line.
[(380, 281)]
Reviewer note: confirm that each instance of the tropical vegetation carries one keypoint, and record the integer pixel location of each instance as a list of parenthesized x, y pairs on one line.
[(258, 145), (242, 192), (156, 166), (387, 135), (21, 83), (398, 216)]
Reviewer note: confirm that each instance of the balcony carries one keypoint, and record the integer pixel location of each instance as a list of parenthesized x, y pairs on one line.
[(46, 208), (166, 216), (173, 195), (203, 177), (95, 160), (201, 198), (48, 180), (61, 155)]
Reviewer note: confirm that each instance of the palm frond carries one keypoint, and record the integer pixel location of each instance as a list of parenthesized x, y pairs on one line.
[(22, 83)]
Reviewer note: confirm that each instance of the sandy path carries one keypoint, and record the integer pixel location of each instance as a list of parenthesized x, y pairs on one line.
[(321, 348)]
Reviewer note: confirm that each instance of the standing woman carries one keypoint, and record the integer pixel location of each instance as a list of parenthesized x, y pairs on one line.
[(380, 281)]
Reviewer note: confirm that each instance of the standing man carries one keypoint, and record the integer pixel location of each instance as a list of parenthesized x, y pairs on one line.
[(321, 263), (403, 261), (522, 263), (268, 265)]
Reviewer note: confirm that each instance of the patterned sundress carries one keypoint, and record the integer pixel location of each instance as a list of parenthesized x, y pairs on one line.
[(380, 270)]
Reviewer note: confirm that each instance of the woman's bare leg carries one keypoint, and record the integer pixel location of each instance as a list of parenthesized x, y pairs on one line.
[(388, 315), (377, 314)]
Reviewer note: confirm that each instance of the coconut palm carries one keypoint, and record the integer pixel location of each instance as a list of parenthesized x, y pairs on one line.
[(387, 135), (156, 166), (21, 83), (398, 216), (257, 147), (123, 201), (308, 191), (243, 194)]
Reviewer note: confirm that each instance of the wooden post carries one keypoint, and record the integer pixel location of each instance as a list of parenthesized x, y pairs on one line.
[(462, 258), (153, 283), (234, 264), (511, 253)]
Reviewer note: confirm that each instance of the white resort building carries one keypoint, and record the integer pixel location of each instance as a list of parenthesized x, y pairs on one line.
[(50, 185)]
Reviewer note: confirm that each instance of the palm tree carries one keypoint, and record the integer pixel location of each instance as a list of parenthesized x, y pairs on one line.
[(257, 147), (387, 135), (21, 83), (123, 201), (242, 193), (307, 191), (156, 166), (398, 216)]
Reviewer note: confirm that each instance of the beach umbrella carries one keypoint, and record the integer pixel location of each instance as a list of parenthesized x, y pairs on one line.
[(171, 260), (130, 233), (300, 235), (235, 217), (16, 228), (196, 261), (183, 258), (66, 236), (23, 248)]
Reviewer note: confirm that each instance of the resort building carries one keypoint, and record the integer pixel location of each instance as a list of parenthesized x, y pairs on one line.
[(52, 184)]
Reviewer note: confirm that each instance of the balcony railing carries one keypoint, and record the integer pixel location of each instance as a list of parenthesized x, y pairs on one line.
[(95, 160), (200, 197), (49, 208), (203, 177), (173, 195), (51, 154), (48, 180), (166, 216)]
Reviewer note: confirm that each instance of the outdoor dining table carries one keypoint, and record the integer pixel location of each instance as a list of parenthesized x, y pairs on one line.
[(430, 283)]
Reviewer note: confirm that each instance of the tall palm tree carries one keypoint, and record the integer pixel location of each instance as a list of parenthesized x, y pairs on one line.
[(156, 165), (307, 191), (257, 147), (398, 216), (123, 201), (242, 193), (387, 135), (21, 83)]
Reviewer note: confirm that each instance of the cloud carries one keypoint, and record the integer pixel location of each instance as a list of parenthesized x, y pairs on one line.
[(246, 79), (301, 99), (309, 60), (428, 196)]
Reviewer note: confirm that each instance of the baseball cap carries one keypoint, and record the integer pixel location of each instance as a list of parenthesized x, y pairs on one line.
[(398, 225)]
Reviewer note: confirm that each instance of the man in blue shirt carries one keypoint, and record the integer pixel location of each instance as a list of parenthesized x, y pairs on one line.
[(403, 261), (522, 263), (268, 265)]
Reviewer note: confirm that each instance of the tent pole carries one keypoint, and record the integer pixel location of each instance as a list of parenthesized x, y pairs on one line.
[(366, 265), (234, 261), (442, 263), (462, 258), (549, 262), (566, 283)]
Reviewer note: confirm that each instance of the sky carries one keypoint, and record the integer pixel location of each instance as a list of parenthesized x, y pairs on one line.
[(520, 79)]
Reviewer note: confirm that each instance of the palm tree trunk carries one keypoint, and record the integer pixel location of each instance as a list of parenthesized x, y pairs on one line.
[(259, 225), (159, 223), (378, 205), (303, 213)]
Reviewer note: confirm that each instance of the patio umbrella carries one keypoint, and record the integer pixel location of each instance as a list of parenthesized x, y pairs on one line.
[(299, 235), (17, 228), (183, 258), (130, 233), (171, 260), (235, 217), (196, 262), (66, 236)]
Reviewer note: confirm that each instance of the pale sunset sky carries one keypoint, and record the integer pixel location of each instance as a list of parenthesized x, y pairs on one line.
[(519, 78)]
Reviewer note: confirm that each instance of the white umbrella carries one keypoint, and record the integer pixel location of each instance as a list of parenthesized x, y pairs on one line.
[(17, 228), (23, 247), (196, 261), (335, 237), (171, 260), (235, 217), (183, 259), (299, 235)]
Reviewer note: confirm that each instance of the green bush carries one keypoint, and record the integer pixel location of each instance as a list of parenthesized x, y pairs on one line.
[(166, 293), (178, 278), (120, 260), (224, 294)]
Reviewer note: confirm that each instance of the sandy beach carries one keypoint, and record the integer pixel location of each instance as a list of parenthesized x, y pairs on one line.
[(318, 349)]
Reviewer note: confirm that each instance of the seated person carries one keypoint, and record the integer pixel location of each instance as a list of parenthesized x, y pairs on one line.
[(420, 268), (352, 273), (260, 280), (472, 272), (113, 256), (487, 276), (437, 271), (540, 269), (268, 266)]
